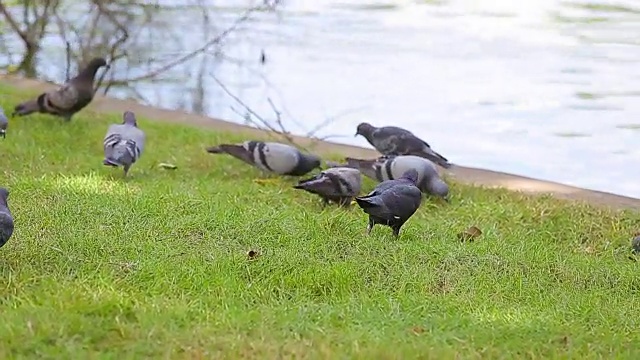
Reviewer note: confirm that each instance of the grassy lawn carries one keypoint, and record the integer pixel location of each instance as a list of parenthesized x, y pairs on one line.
[(157, 266)]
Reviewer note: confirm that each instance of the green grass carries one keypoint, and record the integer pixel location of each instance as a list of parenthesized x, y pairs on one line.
[(156, 265)]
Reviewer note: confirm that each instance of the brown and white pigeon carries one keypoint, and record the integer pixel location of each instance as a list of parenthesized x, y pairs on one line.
[(123, 144), (392, 202), (339, 185), (392, 140), (273, 157), (6, 220), (392, 167), (66, 100)]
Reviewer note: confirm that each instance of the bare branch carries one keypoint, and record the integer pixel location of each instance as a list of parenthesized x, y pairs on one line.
[(14, 25), (278, 117), (216, 40), (249, 113), (115, 47)]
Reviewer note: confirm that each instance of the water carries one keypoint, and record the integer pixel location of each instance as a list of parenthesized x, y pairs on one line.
[(541, 88)]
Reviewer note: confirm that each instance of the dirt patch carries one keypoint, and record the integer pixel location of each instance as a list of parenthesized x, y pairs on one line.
[(462, 174)]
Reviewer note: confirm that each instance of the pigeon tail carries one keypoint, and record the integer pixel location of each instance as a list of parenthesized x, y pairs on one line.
[(231, 149), (237, 151), (334, 164), (111, 162), (435, 157), (214, 150), (122, 153), (309, 184), (26, 108), (368, 202), (360, 164)]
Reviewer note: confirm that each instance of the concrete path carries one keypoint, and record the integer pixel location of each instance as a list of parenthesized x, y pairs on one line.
[(462, 174)]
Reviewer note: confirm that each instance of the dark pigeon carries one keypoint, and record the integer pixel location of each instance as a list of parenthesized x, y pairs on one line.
[(339, 185), (392, 140), (123, 144), (281, 159), (392, 167), (392, 202), (4, 123), (635, 245), (6, 220), (66, 100)]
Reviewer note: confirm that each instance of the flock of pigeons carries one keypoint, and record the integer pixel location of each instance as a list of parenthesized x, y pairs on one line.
[(406, 169)]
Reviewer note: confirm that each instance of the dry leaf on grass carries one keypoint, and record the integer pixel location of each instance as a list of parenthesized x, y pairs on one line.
[(470, 234), (265, 181), (167, 166)]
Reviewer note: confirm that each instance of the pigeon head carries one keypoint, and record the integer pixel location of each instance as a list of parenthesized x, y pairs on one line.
[(439, 188), (411, 175), (129, 118), (4, 195), (364, 129)]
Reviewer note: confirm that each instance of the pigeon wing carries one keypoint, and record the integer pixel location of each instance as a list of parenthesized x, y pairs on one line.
[(62, 99), (402, 201), (276, 157)]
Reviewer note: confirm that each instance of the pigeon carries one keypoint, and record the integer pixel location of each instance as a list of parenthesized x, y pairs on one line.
[(392, 167), (123, 143), (271, 157), (392, 202), (392, 140), (6, 220), (66, 100), (635, 245), (339, 185), (4, 123)]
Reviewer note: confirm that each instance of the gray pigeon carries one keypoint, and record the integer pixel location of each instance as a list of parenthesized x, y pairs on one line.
[(339, 185), (123, 143), (67, 99), (635, 245), (392, 140), (6, 220), (271, 157), (4, 123), (392, 202), (392, 167)]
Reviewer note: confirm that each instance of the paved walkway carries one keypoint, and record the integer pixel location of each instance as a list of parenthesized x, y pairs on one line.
[(462, 174)]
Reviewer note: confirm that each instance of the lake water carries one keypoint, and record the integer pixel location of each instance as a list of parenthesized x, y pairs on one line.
[(543, 88)]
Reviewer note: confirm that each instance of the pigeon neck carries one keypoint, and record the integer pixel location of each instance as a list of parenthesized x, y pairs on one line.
[(307, 163), (368, 134), (89, 73)]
